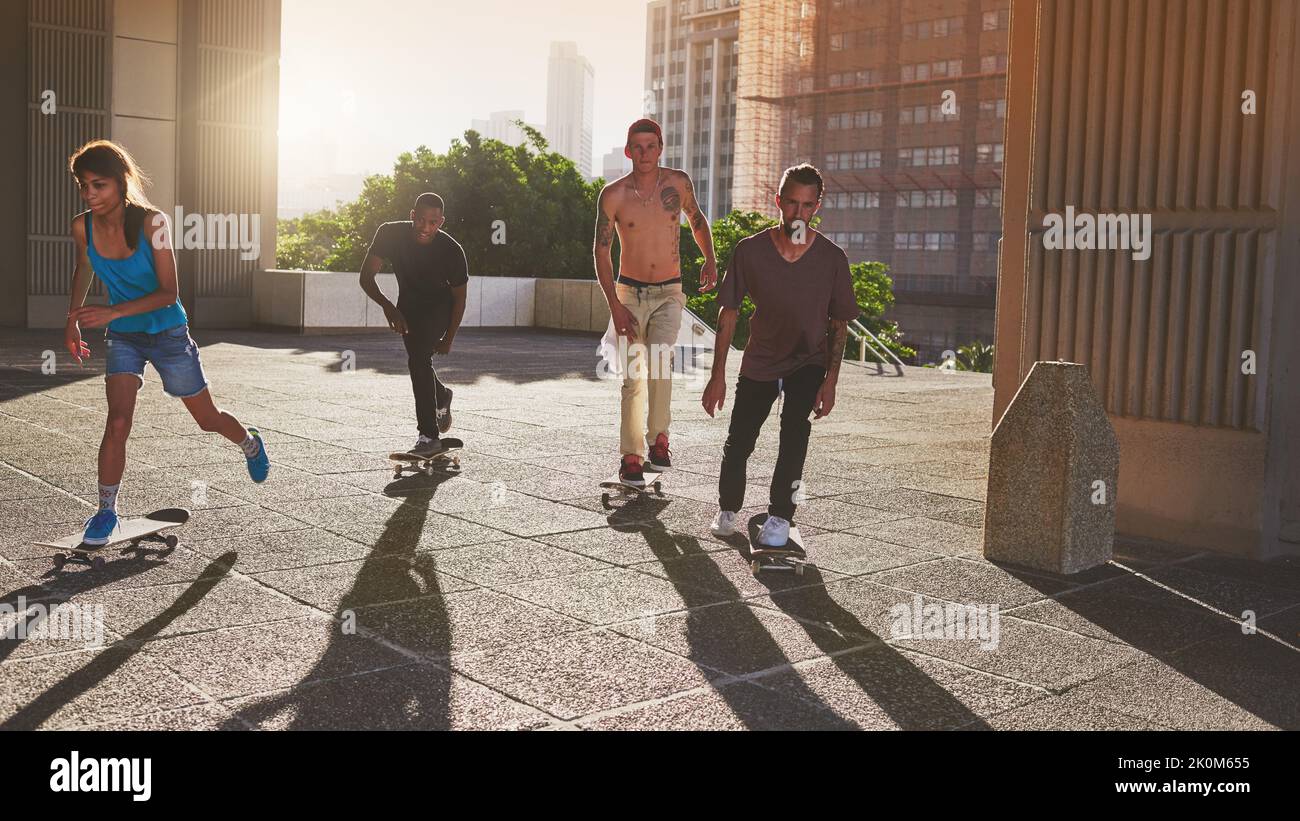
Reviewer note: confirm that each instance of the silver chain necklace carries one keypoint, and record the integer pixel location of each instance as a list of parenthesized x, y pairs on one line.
[(658, 180)]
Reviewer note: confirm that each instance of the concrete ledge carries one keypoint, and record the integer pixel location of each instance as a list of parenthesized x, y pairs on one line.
[(331, 301)]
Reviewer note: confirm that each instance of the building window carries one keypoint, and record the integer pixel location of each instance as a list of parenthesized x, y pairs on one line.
[(939, 27), (993, 109), (991, 63), (996, 20), (986, 153), (868, 119)]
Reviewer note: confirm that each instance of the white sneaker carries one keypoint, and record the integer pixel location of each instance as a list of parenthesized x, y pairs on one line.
[(775, 532), (724, 524)]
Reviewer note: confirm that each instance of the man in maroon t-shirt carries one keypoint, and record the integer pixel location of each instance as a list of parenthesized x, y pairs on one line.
[(800, 285)]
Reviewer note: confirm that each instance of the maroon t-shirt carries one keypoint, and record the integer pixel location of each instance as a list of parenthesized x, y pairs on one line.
[(793, 302)]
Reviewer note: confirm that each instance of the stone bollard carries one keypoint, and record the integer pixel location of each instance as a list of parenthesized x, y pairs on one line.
[(1053, 475)]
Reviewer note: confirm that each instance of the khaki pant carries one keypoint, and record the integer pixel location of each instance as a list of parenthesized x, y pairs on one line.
[(658, 312)]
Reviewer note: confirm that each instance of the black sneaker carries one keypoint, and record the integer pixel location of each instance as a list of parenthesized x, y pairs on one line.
[(444, 414), (630, 473), (426, 448)]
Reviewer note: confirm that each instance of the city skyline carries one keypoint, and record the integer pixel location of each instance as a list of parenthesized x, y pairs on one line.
[(335, 104)]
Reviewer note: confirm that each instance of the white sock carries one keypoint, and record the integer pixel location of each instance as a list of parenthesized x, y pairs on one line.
[(108, 497), (251, 446)]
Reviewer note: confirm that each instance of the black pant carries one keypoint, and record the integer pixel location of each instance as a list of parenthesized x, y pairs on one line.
[(425, 328), (749, 411)]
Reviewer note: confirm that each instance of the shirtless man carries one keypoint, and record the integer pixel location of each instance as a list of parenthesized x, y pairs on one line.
[(645, 303)]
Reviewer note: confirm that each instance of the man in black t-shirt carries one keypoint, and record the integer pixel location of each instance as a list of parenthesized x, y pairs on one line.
[(432, 277)]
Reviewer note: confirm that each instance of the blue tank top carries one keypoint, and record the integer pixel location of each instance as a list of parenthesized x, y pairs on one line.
[(132, 278)]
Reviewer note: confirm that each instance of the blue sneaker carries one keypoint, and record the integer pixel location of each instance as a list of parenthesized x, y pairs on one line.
[(259, 465), (100, 527)]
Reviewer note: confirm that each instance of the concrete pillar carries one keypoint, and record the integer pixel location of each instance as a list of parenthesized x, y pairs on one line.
[(1053, 475)]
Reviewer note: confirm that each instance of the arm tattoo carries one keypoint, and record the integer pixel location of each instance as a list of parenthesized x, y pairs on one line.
[(694, 216), (837, 334), (604, 228)]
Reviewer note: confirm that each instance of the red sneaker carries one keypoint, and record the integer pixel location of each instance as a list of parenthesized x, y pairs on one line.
[(660, 456), (629, 471)]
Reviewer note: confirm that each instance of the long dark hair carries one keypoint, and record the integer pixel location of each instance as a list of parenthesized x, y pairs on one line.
[(108, 159)]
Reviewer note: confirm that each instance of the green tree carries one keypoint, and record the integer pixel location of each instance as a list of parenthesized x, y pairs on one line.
[(977, 356), (874, 290), (308, 242), (537, 198)]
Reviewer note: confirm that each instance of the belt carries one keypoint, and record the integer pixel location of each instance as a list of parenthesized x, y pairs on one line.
[(636, 283)]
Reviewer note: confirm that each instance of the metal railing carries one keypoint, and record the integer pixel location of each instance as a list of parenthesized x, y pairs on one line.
[(867, 341)]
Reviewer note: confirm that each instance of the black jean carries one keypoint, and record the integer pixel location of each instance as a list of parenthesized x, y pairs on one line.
[(424, 330), (749, 411)]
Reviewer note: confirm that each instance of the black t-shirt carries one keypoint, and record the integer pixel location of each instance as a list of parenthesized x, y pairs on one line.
[(425, 273)]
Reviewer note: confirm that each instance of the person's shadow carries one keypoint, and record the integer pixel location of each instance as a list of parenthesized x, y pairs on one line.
[(725, 637), (105, 663), (60, 587), (910, 698), (341, 691)]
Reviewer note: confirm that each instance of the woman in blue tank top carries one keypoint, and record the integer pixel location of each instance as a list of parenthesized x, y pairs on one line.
[(125, 241)]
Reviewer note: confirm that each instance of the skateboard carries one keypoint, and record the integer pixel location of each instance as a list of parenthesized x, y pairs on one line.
[(791, 557), (652, 485), (408, 462), (135, 531)]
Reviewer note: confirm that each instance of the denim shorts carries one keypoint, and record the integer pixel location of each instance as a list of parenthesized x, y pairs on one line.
[(171, 352)]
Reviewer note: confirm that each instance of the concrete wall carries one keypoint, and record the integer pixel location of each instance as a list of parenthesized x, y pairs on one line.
[(140, 104), (69, 50), (1135, 108), (13, 148), (146, 74), (189, 87), (571, 305), (228, 115), (324, 301)]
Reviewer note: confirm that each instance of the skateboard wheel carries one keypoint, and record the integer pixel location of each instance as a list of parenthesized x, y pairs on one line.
[(755, 566), (97, 562), (604, 500), (397, 474), (59, 561), (659, 488), (172, 541), (798, 569)]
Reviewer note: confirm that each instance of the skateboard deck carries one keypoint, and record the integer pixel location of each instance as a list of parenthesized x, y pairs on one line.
[(791, 557), (653, 484), (135, 531), (409, 462)]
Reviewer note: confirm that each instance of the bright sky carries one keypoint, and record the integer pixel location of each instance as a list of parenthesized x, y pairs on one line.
[(361, 82)]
